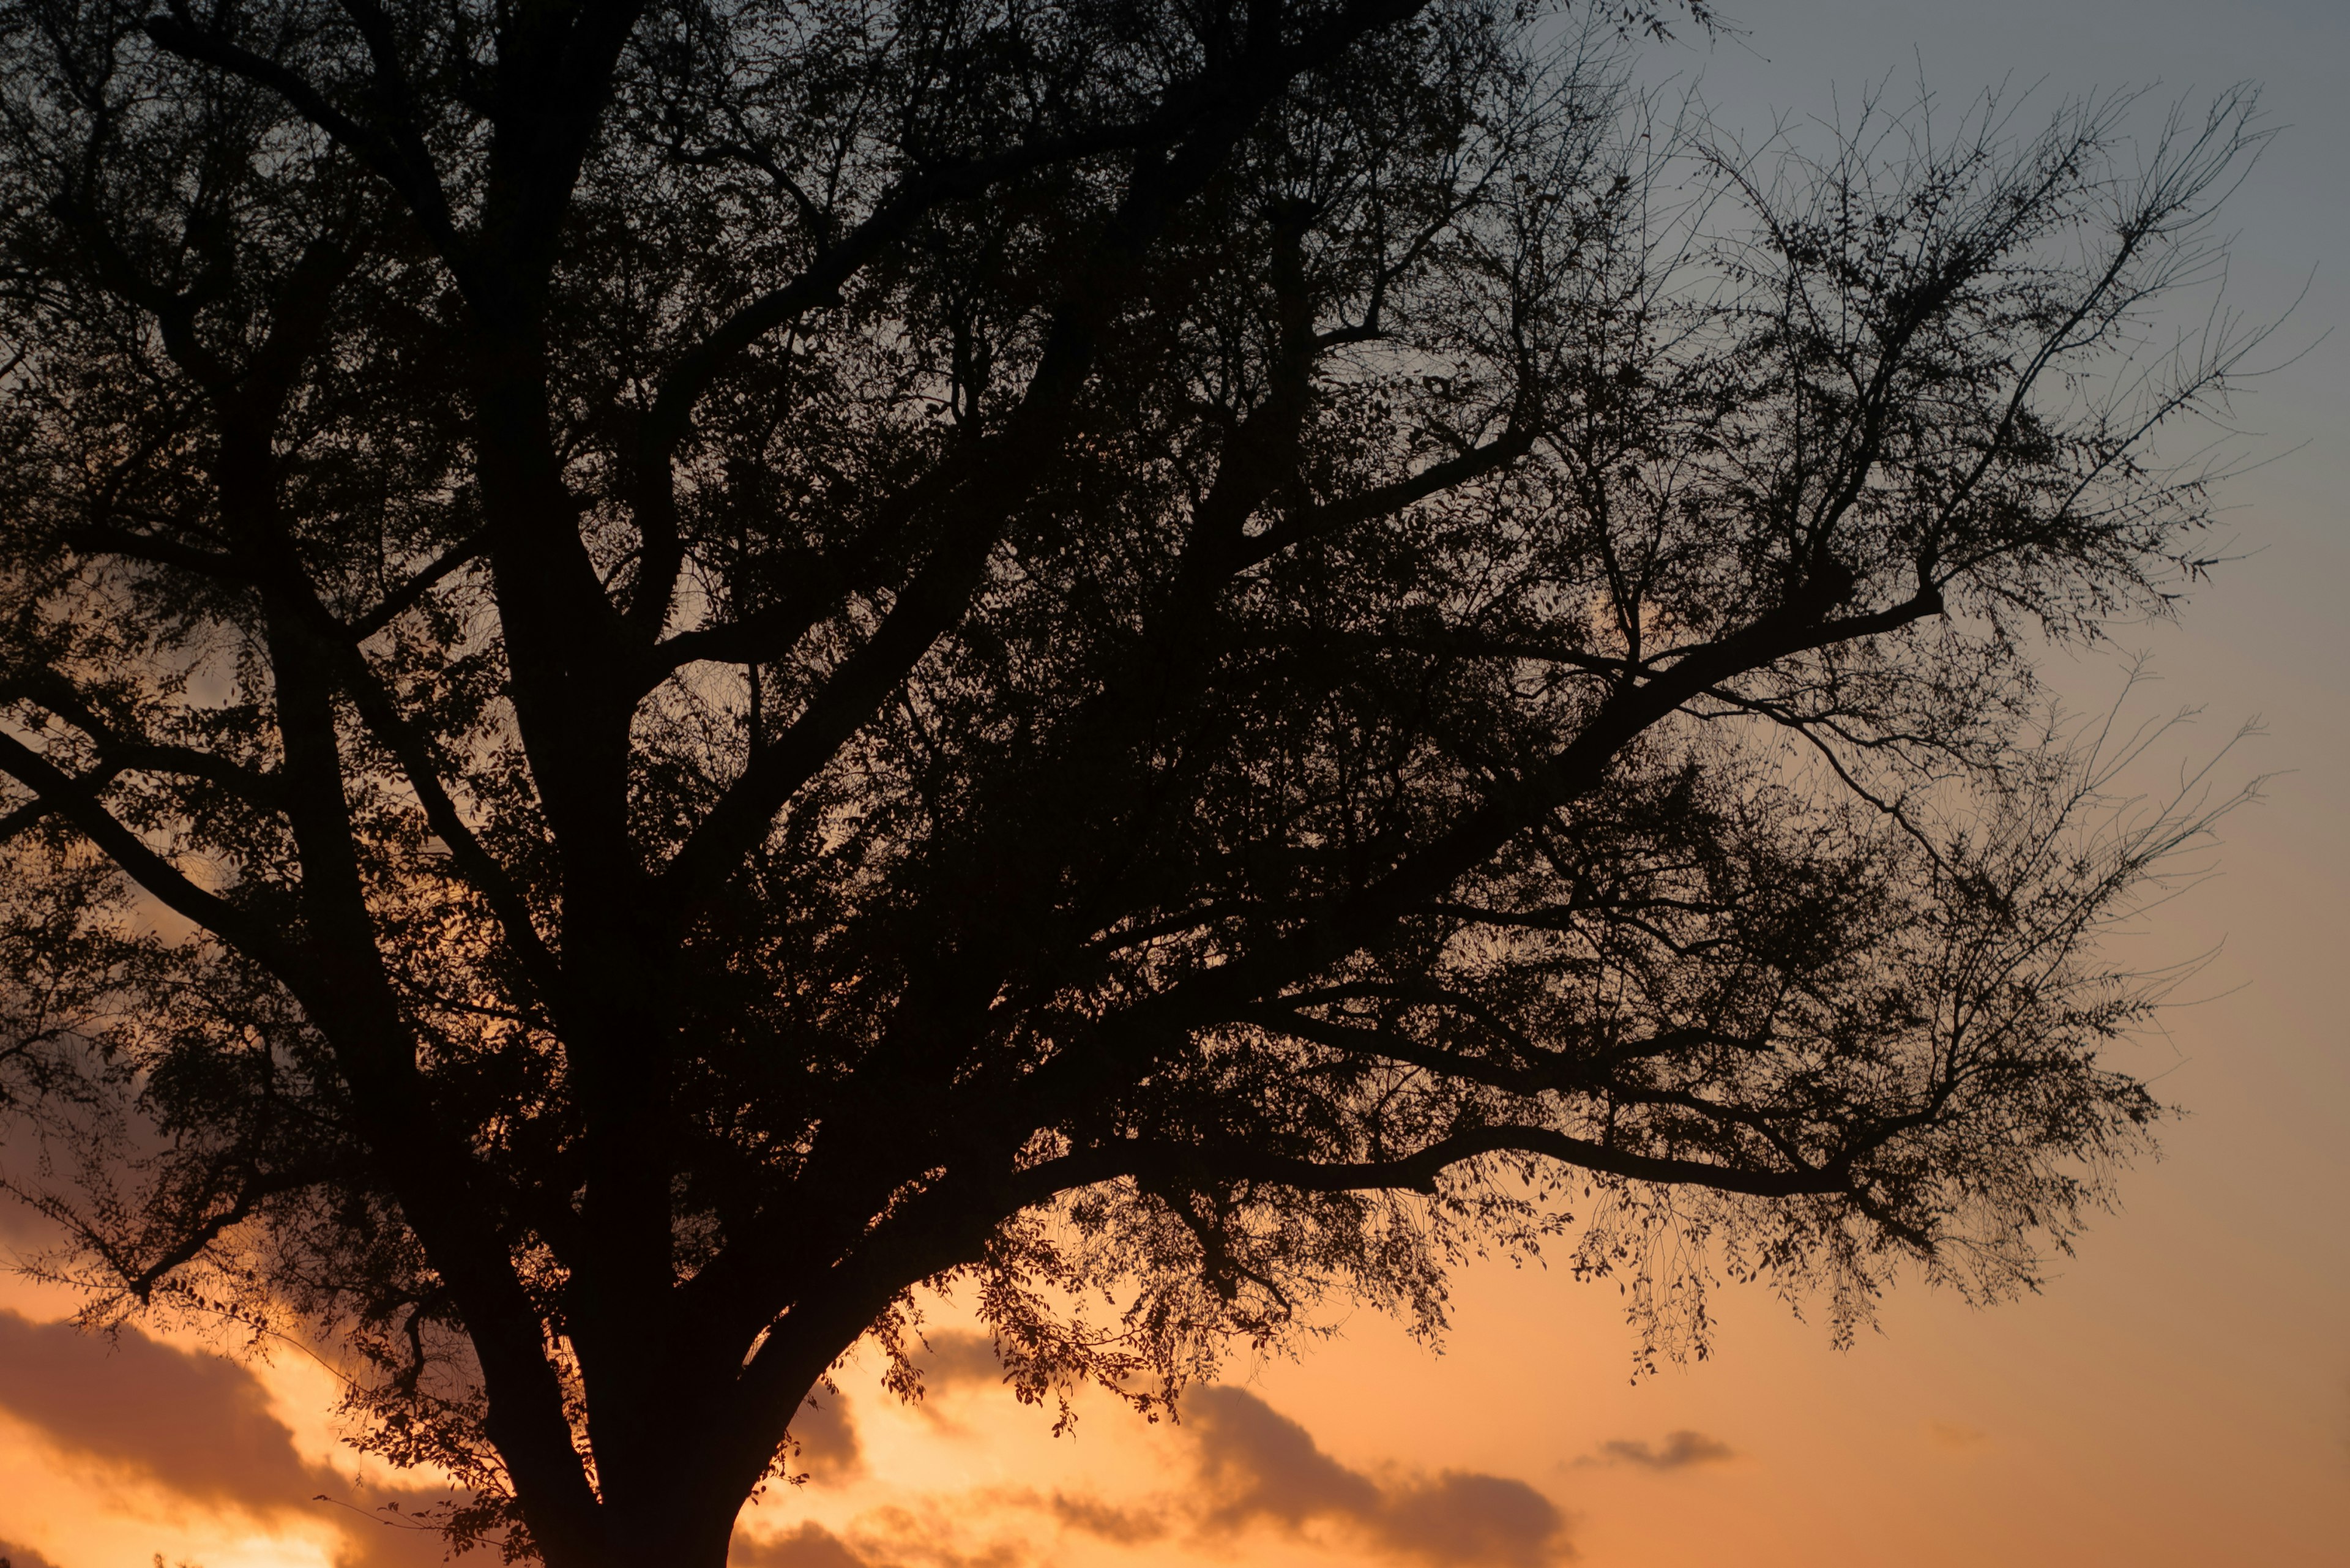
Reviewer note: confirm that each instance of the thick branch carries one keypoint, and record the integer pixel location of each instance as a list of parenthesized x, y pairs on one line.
[(1423, 877), (937, 596), (142, 1282), (1418, 1172), (119, 752), (214, 564), (415, 181), (1385, 501), (411, 594), (73, 800), (667, 422), (1556, 1070)]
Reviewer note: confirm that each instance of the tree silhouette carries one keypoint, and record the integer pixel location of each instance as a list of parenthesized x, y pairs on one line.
[(669, 670)]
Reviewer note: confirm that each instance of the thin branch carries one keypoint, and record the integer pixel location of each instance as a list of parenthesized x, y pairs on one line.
[(417, 182)]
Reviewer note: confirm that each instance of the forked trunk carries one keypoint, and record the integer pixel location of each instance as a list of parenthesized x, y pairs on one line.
[(673, 1472), (698, 1538)]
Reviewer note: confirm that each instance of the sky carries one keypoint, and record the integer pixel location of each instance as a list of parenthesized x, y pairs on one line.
[(2178, 1394)]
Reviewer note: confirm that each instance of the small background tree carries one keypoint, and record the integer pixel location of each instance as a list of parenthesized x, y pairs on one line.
[(667, 670)]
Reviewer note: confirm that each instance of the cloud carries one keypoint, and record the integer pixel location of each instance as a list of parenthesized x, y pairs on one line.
[(827, 1440), (809, 1546), (15, 1556), (938, 1535), (957, 1355), (1257, 1466), (25, 1229), (1126, 1526), (1251, 1468), (1681, 1450), (1462, 1516), (192, 1423), (382, 1539), (1957, 1438), (197, 1424)]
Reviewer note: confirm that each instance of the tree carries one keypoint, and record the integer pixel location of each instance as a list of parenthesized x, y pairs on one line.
[(672, 669)]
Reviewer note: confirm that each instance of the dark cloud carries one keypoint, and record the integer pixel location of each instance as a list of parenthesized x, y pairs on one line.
[(15, 1556), (809, 1546), (1461, 1516), (882, 1538), (1257, 1466), (1680, 1450), (936, 1536), (827, 1440), (387, 1538), (1126, 1526), (956, 1356), (197, 1424), (194, 1423), (1256, 1463), (25, 1229)]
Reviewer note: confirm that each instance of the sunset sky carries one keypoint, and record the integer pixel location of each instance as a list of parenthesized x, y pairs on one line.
[(2179, 1394)]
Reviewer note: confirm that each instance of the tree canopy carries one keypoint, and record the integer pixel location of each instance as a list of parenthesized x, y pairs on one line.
[(669, 670)]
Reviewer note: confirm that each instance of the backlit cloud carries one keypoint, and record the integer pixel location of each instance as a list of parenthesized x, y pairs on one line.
[(192, 1423), (932, 1533), (15, 1556), (384, 1539), (1127, 1526), (1680, 1450), (828, 1449), (1257, 1466), (1465, 1517), (1245, 1468), (956, 1356), (809, 1546), (25, 1229), (197, 1424)]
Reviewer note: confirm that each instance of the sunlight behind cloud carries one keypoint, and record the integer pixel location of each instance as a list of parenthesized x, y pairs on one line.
[(952, 1482), (118, 1447)]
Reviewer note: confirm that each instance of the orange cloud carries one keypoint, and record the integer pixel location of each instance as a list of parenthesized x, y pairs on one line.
[(889, 1538), (191, 1423), (1245, 1468), (1257, 1466), (1123, 1526), (196, 1424), (1682, 1449), (809, 1546), (828, 1448), (957, 1356)]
